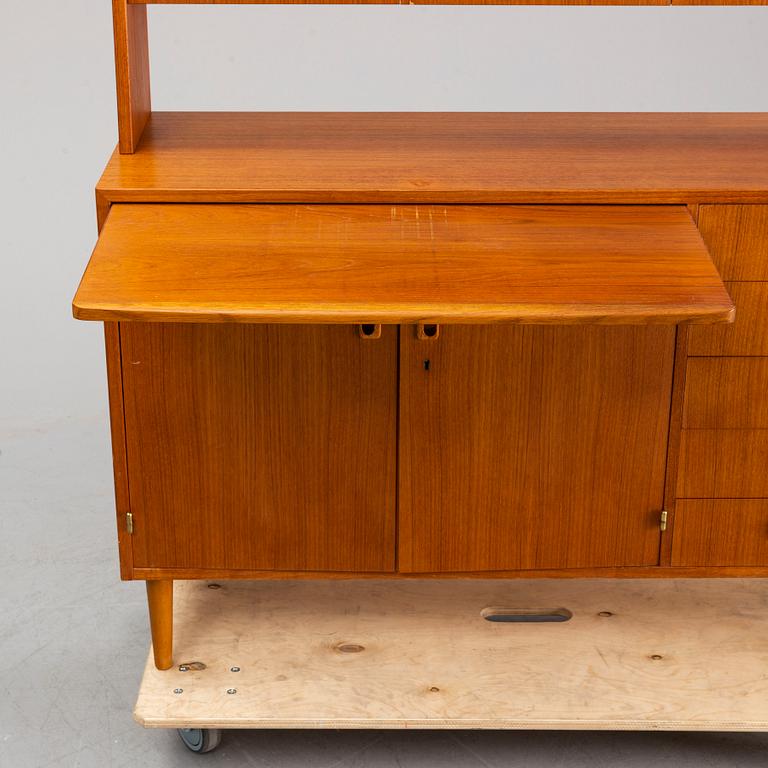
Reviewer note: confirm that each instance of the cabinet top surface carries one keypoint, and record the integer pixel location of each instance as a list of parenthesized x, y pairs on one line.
[(444, 158), (400, 264)]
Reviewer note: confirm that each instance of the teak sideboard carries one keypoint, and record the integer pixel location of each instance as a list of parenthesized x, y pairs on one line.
[(400, 345)]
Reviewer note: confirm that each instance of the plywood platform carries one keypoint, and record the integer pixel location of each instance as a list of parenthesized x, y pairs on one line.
[(636, 655)]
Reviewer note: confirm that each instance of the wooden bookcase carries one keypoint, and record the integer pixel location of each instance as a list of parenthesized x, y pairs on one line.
[(397, 347)]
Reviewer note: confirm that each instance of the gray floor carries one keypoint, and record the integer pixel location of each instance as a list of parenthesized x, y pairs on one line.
[(73, 640)]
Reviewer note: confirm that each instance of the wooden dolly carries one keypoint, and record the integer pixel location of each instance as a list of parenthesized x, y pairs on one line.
[(438, 420), (651, 654)]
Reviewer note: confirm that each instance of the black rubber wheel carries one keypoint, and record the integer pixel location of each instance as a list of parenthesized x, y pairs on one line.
[(200, 739)]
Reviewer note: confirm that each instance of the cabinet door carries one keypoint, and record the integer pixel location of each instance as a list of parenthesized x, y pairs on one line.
[(527, 447), (260, 446)]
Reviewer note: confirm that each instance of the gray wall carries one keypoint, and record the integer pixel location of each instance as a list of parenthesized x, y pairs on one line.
[(57, 117)]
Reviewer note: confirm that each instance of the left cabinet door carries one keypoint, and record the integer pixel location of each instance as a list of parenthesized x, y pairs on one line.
[(260, 447)]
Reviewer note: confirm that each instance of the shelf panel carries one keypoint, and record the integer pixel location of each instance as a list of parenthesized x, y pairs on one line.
[(444, 158), (669, 655), (401, 264), (446, 2)]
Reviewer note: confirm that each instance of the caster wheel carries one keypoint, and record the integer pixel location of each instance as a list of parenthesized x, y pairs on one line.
[(200, 739)]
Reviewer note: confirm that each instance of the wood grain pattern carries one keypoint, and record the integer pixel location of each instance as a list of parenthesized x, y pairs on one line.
[(544, 447), (444, 158), (723, 463), (119, 459), (672, 655), (266, 447), (726, 393), (384, 264), (718, 2), (674, 436), (103, 207), (748, 335), (721, 532), (131, 72), (160, 604), (737, 237), (628, 572)]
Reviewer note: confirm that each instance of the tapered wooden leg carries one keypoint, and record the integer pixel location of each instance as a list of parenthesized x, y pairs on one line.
[(160, 599)]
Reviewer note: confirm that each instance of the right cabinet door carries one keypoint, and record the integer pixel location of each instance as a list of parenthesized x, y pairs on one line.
[(532, 447)]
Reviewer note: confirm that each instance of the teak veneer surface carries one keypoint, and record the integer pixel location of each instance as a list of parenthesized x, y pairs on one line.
[(748, 335), (444, 158), (533, 447), (737, 236), (401, 264), (726, 463), (261, 446), (726, 393), (119, 457), (721, 532), (134, 102)]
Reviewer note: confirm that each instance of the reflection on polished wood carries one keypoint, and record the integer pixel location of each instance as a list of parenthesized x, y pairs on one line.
[(401, 264), (454, 157)]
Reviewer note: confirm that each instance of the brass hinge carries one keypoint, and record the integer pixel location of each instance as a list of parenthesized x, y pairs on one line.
[(129, 522), (663, 521)]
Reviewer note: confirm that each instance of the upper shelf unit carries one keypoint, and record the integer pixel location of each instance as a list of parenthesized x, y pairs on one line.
[(134, 103), (443, 158), (446, 2)]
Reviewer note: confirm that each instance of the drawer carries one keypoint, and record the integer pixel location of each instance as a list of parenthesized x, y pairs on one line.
[(712, 532), (726, 393), (723, 462), (737, 238), (747, 336)]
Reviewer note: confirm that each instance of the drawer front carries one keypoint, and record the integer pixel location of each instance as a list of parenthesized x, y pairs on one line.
[(726, 393), (729, 463), (721, 532), (737, 238), (748, 335), (721, 513)]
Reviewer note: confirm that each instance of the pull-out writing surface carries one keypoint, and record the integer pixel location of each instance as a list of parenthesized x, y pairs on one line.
[(401, 264)]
